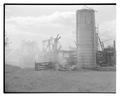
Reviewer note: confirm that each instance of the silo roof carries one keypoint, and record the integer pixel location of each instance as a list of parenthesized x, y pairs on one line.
[(85, 9)]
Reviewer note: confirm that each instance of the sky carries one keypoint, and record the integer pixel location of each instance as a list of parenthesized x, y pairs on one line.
[(39, 22)]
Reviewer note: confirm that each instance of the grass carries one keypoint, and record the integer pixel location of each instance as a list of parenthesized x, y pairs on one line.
[(27, 80)]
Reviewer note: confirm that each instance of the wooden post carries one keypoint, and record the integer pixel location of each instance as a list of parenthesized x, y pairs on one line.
[(114, 53)]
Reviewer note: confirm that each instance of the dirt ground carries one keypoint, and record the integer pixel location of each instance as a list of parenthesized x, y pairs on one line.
[(28, 80)]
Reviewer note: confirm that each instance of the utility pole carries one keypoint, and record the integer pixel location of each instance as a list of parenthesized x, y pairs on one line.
[(114, 52)]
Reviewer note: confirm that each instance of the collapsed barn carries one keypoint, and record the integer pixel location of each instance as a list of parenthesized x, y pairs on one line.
[(86, 53)]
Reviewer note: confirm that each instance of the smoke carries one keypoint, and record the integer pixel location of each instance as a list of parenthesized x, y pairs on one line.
[(23, 55), (27, 53)]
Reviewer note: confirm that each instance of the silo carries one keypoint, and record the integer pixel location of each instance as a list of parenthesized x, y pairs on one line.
[(86, 38)]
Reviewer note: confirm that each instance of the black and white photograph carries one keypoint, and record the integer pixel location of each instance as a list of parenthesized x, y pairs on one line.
[(60, 48)]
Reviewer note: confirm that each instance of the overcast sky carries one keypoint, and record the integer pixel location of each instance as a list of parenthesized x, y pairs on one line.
[(39, 22)]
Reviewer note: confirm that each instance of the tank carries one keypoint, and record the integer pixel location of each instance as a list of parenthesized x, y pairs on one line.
[(86, 38)]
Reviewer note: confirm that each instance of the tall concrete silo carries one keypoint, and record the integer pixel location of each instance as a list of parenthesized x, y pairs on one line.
[(86, 38)]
